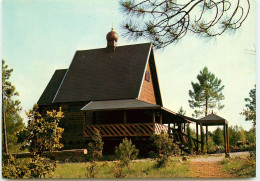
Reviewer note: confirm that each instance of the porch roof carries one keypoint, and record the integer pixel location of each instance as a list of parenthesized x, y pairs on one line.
[(125, 104), (212, 120)]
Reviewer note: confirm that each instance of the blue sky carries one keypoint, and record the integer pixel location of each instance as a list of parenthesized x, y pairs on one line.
[(39, 36)]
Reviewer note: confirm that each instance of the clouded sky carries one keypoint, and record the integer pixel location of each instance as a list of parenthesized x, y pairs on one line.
[(39, 36)]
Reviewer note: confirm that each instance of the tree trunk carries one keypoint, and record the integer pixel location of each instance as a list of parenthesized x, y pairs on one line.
[(206, 110), (4, 125)]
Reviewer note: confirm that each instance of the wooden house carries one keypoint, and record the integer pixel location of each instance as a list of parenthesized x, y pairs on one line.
[(114, 89)]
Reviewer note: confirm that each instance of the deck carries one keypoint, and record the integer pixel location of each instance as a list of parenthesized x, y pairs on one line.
[(122, 130)]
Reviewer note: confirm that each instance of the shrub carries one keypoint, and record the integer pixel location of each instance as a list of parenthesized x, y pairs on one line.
[(118, 170), (126, 152), (95, 149), (165, 147), (36, 167)]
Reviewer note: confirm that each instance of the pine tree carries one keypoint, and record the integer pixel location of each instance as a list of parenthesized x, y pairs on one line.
[(206, 94), (250, 112), (10, 108), (167, 21)]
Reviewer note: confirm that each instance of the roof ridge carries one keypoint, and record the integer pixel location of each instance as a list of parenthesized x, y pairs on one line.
[(117, 46)]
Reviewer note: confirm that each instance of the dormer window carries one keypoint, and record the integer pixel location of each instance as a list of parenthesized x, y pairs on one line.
[(147, 76)]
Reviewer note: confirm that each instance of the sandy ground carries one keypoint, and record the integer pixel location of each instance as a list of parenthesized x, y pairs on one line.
[(209, 167)]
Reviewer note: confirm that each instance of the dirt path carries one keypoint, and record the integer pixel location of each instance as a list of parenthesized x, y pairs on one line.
[(202, 167), (207, 170)]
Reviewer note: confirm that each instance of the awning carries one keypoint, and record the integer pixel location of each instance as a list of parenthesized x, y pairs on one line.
[(125, 104)]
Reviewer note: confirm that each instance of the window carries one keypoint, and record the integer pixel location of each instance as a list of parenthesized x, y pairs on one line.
[(147, 76)]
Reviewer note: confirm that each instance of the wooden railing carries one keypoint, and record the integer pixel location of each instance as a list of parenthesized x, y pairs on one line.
[(121, 130)]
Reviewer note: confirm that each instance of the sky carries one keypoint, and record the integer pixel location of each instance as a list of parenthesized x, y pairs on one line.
[(40, 36)]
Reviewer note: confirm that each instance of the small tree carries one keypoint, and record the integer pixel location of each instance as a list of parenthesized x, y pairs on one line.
[(250, 112), (126, 152), (218, 137), (42, 132), (95, 149), (190, 141), (181, 111), (234, 135), (165, 147)]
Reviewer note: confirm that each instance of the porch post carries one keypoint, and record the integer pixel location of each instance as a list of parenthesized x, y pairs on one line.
[(227, 140), (225, 144), (201, 139), (94, 117), (197, 136), (160, 117), (184, 125), (169, 130), (153, 116), (124, 117), (207, 138)]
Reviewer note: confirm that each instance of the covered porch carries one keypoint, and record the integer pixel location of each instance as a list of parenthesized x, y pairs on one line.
[(130, 118)]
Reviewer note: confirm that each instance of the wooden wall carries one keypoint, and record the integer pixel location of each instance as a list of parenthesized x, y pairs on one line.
[(147, 90)]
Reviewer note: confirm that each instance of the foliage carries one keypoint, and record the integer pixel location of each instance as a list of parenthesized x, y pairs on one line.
[(167, 21), (218, 137), (12, 122), (181, 111), (250, 112), (190, 141), (243, 136), (119, 170), (211, 144), (206, 94), (95, 149), (234, 135), (42, 132), (126, 152), (35, 167), (240, 167), (165, 147), (251, 136)]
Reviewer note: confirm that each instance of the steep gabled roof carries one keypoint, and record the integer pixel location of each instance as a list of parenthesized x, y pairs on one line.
[(97, 74), (52, 87)]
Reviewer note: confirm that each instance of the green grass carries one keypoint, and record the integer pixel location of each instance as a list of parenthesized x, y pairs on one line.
[(140, 169), (240, 166)]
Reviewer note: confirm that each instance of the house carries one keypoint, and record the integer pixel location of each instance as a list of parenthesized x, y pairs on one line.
[(116, 90)]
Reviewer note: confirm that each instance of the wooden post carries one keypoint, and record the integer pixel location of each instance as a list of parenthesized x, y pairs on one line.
[(173, 125), (201, 149), (124, 117), (184, 127), (207, 138), (160, 117), (169, 129), (197, 136), (225, 144), (227, 139), (153, 116), (94, 117)]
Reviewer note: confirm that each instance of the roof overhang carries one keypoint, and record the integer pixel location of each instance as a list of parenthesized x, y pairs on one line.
[(126, 104), (185, 119)]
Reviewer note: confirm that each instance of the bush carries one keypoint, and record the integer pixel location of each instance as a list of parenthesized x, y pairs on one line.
[(165, 147), (95, 149), (126, 152), (36, 167), (118, 170)]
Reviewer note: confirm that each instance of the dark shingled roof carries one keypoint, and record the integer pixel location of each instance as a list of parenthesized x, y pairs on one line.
[(118, 105), (212, 120), (100, 75), (212, 117), (51, 89)]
